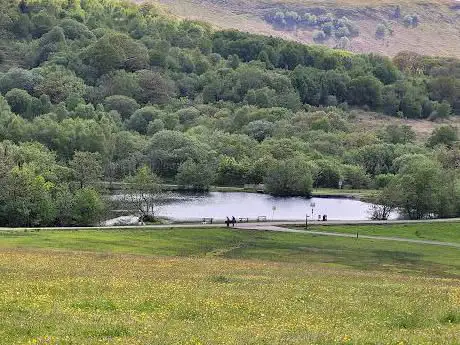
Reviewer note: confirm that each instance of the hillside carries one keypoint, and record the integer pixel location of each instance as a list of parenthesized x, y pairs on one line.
[(113, 91), (436, 32)]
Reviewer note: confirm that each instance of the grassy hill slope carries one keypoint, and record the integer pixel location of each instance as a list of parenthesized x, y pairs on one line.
[(436, 34)]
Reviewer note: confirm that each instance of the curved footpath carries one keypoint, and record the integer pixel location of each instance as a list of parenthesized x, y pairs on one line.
[(279, 226), (336, 234)]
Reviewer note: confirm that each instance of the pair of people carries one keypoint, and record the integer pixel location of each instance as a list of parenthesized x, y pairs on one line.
[(232, 221)]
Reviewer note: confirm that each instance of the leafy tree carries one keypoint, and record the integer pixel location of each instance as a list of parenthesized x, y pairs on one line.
[(417, 188), (59, 83), (141, 118), (328, 174), (114, 51), (355, 177), (167, 150), (75, 30), (198, 176), (443, 110), (230, 172), (319, 36), (366, 90), (259, 129), (20, 101), (154, 87), (88, 207), (87, 168), (398, 134), (443, 135), (125, 106), (26, 199), (143, 192), (290, 177), (380, 31)]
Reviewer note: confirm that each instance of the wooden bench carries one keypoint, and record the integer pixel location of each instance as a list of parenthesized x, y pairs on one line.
[(207, 220), (262, 218), (243, 220)]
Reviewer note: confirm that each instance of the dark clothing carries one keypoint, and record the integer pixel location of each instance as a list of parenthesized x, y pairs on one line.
[(233, 221), (227, 221)]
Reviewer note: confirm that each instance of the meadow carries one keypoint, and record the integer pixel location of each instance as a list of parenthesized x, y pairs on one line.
[(218, 286), (444, 232)]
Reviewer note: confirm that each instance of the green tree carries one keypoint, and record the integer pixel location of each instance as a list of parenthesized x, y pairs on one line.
[(366, 90), (199, 176), (115, 50), (125, 106), (143, 191), (87, 168), (88, 207), (417, 189), (289, 178), (443, 135), (20, 102), (398, 134), (26, 199)]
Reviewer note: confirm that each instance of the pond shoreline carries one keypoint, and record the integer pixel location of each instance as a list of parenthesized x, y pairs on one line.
[(325, 193), (189, 206)]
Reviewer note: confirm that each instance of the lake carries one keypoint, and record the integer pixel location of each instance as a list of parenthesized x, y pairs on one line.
[(218, 205)]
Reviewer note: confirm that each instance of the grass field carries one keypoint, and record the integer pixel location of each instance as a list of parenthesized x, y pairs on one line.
[(218, 286), (445, 232)]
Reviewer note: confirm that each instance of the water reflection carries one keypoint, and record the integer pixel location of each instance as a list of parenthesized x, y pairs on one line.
[(219, 205)]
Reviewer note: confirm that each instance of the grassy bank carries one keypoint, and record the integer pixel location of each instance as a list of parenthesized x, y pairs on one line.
[(217, 286), (445, 232)]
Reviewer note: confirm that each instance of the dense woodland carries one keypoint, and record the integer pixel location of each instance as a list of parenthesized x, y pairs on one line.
[(103, 91)]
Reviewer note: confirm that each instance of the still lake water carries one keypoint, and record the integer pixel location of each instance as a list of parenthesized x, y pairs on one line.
[(219, 205)]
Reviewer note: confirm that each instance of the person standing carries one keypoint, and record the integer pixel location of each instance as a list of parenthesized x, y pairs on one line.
[(227, 221), (233, 221)]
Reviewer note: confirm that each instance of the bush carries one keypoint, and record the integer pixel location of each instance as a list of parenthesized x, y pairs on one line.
[(291, 177), (327, 28), (444, 135), (343, 43), (383, 180), (125, 106), (342, 32), (310, 19), (319, 36), (380, 31), (411, 20)]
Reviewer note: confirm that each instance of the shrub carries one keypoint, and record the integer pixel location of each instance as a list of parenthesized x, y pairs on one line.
[(380, 31), (327, 28), (319, 36), (343, 43), (411, 20), (342, 32)]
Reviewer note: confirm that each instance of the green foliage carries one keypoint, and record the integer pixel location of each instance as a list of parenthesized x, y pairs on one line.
[(398, 134), (380, 31), (290, 177), (87, 168), (421, 189), (198, 176), (124, 105), (116, 51), (366, 91), (443, 135), (88, 207)]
